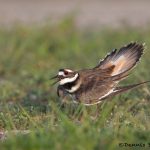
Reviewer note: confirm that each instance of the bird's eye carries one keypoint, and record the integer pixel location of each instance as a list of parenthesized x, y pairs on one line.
[(66, 73)]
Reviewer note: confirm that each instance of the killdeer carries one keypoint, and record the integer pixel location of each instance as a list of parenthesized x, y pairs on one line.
[(91, 86)]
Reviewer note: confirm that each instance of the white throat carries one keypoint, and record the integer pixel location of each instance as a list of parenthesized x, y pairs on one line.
[(68, 80)]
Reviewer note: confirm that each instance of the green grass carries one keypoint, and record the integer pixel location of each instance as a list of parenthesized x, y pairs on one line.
[(29, 56)]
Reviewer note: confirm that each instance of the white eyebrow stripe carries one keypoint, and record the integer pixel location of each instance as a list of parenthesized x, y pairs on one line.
[(68, 70), (68, 80)]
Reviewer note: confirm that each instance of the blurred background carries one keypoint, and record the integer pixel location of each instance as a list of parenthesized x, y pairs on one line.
[(112, 13), (38, 37)]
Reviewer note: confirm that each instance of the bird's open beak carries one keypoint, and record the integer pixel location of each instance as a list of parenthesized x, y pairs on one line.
[(55, 77)]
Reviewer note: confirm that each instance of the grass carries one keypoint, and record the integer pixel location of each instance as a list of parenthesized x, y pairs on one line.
[(31, 55)]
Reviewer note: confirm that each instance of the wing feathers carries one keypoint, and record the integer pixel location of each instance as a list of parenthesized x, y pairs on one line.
[(119, 90), (125, 59)]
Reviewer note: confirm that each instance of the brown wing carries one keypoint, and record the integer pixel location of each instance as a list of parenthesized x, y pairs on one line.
[(97, 73), (93, 95), (96, 84)]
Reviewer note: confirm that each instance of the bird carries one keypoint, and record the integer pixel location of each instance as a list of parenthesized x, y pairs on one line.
[(92, 86)]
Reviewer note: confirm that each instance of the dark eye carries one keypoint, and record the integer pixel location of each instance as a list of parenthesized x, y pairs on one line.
[(66, 73)]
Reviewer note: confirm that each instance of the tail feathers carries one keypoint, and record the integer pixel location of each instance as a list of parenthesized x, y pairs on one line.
[(119, 90), (125, 59)]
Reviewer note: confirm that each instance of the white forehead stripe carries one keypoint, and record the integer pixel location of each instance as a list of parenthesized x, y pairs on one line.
[(61, 73), (68, 80)]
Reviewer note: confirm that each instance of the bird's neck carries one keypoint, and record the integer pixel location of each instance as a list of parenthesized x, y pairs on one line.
[(72, 87)]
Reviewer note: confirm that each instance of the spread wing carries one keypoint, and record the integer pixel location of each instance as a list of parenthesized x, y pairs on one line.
[(97, 84), (124, 59)]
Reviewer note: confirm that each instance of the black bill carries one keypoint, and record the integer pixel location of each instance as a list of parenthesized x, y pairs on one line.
[(57, 79)]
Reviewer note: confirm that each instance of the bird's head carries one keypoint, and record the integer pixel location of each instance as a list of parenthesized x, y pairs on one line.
[(65, 76)]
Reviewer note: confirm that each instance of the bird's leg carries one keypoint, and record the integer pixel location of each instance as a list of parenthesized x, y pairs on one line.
[(62, 94), (96, 115), (79, 114), (63, 102), (97, 111)]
